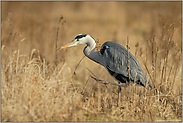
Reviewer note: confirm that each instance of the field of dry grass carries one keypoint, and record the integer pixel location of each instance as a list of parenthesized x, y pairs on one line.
[(41, 84)]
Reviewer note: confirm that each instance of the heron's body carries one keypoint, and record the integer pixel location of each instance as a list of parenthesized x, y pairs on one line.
[(113, 57)]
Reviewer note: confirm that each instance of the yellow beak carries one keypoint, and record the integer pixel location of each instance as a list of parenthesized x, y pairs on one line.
[(70, 44)]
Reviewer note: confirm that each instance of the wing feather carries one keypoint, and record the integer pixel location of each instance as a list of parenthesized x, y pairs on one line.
[(115, 57)]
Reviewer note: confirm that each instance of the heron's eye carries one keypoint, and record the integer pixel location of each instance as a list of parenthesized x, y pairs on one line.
[(77, 39)]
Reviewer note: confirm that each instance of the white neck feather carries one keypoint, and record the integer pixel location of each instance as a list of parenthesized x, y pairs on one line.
[(90, 45), (89, 50)]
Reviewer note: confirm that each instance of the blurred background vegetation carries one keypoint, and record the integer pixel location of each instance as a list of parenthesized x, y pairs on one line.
[(142, 22), (38, 23)]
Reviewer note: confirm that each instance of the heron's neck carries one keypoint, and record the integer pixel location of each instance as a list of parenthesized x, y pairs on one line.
[(89, 51), (90, 45)]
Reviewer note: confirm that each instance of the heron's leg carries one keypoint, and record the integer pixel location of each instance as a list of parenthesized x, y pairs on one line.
[(119, 90)]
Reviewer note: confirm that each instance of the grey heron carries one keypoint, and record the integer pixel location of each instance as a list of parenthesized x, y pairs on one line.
[(112, 56)]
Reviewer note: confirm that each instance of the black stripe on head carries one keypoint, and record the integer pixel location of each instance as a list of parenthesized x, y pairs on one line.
[(80, 36)]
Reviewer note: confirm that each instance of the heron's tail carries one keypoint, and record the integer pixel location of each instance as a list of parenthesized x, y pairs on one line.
[(143, 80)]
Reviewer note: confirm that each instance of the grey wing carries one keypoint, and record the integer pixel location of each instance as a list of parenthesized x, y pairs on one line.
[(115, 57)]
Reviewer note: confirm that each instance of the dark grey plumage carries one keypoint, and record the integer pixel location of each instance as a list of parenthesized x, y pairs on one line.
[(115, 56)]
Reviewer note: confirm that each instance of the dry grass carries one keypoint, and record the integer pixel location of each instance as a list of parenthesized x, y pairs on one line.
[(38, 84)]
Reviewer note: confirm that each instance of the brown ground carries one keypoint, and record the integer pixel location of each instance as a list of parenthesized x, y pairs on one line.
[(38, 84)]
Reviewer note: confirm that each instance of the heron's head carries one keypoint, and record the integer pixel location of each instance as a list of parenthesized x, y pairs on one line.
[(79, 39)]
